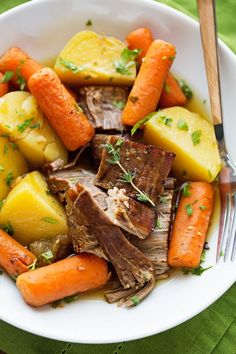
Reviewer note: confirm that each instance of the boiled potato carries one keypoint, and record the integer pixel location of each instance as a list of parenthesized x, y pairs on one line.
[(12, 165), (190, 137), (23, 121), (32, 212), (92, 59)]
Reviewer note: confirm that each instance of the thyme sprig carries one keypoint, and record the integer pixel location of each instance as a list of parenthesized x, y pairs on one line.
[(127, 176)]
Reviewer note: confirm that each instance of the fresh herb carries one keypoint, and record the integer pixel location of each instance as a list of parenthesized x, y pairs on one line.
[(1, 168), (35, 126), (47, 256), (70, 66), (70, 299), (186, 190), (89, 23), (182, 125), (133, 99), (7, 77), (195, 271), (141, 122), (126, 61), (167, 88), (202, 207), (21, 127), (196, 137), (209, 173), (171, 57), (14, 146), (159, 224), (186, 89), (5, 149), (165, 120), (14, 277), (9, 178), (222, 253), (8, 228), (57, 303), (118, 104), (189, 209), (20, 79), (135, 300), (49, 220), (32, 266), (1, 204), (163, 200), (127, 176)]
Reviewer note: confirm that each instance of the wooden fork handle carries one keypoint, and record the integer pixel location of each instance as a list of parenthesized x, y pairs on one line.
[(206, 13)]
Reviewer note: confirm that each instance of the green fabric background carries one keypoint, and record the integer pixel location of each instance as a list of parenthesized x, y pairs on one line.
[(211, 332)]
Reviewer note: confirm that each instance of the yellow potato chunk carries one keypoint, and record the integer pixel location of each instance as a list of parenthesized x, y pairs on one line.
[(32, 212), (12, 165), (92, 59), (23, 121), (190, 137)]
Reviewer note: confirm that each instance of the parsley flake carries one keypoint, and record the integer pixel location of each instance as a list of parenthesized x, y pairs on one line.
[(9, 178), (7, 77), (8, 228), (167, 88), (189, 209), (21, 127), (196, 137), (70, 66), (49, 220), (141, 122), (135, 300), (126, 61), (165, 120), (118, 104), (186, 190), (182, 125), (186, 89), (202, 207)]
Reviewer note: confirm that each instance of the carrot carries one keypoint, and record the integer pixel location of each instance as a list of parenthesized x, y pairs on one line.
[(172, 95), (4, 86), (64, 278), (14, 258), (19, 62), (146, 92), (191, 225), (61, 109), (140, 38)]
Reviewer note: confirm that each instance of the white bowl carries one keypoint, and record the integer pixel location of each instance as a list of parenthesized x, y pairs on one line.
[(42, 28)]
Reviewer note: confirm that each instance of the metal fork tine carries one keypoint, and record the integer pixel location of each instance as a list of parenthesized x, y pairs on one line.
[(226, 227)]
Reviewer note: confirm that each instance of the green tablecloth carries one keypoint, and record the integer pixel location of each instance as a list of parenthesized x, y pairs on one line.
[(211, 332)]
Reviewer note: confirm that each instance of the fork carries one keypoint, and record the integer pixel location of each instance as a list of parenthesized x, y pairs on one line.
[(226, 245)]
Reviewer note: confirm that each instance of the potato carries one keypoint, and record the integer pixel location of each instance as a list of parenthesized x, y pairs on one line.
[(32, 212), (12, 165), (91, 59), (190, 137), (23, 121)]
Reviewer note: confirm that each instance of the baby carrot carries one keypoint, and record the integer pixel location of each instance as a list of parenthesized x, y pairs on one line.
[(61, 109), (4, 86), (172, 95), (146, 92), (14, 258), (21, 64), (141, 38), (191, 225), (64, 278)]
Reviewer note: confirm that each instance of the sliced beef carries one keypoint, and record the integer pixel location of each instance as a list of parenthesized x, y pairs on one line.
[(133, 268), (103, 106), (149, 164), (60, 247), (129, 214), (155, 246)]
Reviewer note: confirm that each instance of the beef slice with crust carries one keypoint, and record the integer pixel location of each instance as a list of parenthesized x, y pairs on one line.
[(149, 164)]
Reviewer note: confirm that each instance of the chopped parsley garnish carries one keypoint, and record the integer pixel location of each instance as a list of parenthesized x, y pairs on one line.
[(159, 224), (189, 209), (163, 200), (8, 228), (195, 271), (165, 120), (209, 173), (182, 125), (47, 256), (126, 61), (7, 77), (89, 23), (20, 79), (202, 207), (35, 126), (186, 89), (9, 178), (135, 300), (141, 122), (167, 88), (133, 99), (5, 149), (32, 266), (118, 104), (49, 220), (70, 299), (196, 137), (21, 127), (1, 204), (14, 146), (70, 66), (1, 168), (186, 190)]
